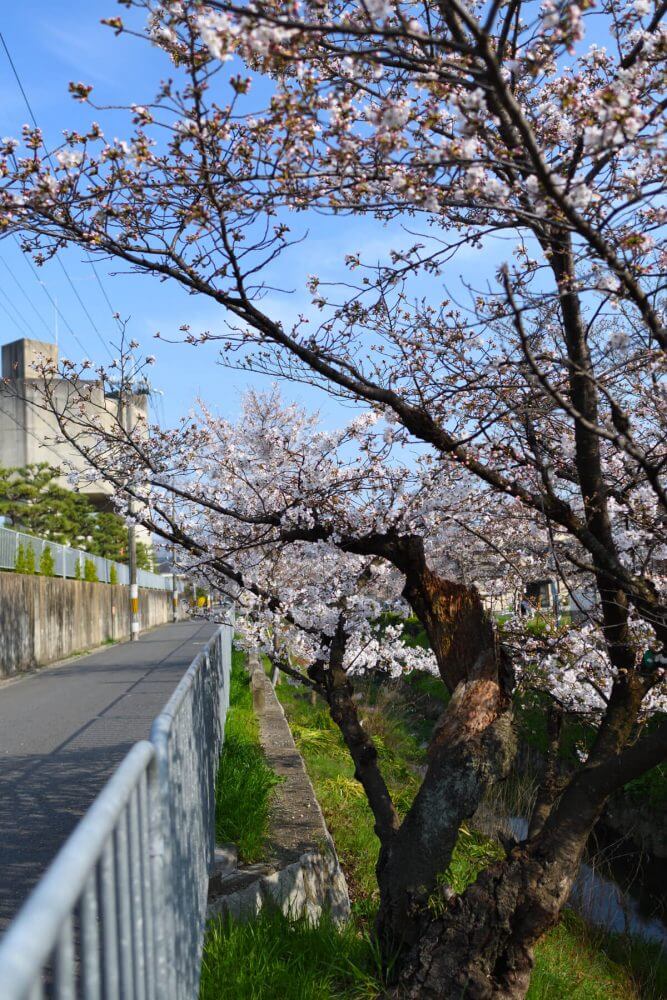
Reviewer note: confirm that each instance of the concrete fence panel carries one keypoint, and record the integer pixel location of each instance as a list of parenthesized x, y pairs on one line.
[(45, 619)]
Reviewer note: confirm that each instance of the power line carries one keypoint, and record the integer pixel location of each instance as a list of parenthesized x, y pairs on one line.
[(18, 80), (20, 322), (48, 156), (52, 301), (82, 304), (103, 289), (25, 294), (6, 310)]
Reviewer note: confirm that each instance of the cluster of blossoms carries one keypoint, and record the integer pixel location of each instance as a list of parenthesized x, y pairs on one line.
[(571, 665), (551, 142), (271, 498)]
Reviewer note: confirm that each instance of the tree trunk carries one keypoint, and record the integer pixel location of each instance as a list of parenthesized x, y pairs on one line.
[(473, 745), (481, 944), (473, 749), (481, 947)]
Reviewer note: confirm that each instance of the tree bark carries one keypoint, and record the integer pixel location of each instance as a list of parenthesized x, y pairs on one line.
[(344, 713), (473, 746), (482, 946)]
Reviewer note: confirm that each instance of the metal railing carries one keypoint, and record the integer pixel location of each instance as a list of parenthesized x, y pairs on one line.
[(66, 560), (120, 914)]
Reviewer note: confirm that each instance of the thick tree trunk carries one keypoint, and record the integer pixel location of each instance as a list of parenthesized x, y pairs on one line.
[(476, 747), (473, 746), (482, 946)]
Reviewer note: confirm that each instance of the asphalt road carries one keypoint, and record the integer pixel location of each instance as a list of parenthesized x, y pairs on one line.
[(64, 729)]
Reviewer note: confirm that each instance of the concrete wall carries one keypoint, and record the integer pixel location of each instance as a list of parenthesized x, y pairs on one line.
[(44, 619), (301, 873)]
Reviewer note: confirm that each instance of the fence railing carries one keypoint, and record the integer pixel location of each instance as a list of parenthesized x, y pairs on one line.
[(66, 560), (120, 913)]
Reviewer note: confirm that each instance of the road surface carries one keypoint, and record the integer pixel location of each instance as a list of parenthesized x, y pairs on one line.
[(64, 729)]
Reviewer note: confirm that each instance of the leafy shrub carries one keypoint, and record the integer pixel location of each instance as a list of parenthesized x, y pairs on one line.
[(25, 559), (47, 564), (77, 570), (19, 562), (90, 572), (113, 574), (29, 560)]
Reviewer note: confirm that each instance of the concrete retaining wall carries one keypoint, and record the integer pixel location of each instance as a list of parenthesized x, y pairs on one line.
[(301, 874), (44, 619)]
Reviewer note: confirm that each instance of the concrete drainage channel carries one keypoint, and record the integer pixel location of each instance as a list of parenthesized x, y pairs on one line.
[(301, 874)]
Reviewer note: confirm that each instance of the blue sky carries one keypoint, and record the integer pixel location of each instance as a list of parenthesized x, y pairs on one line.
[(51, 44)]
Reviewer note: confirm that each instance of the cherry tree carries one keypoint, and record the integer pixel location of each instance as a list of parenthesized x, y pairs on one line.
[(540, 395), (315, 541)]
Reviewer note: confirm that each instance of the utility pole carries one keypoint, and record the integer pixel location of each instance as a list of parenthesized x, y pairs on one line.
[(126, 417), (134, 588), (126, 394), (174, 582)]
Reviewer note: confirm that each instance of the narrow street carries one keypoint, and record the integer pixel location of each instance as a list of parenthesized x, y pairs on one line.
[(64, 729)]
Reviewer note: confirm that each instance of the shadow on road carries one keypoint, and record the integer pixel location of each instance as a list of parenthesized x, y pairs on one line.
[(59, 790)]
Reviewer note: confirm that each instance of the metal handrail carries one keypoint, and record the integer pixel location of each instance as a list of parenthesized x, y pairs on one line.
[(29, 940), (120, 913), (66, 559)]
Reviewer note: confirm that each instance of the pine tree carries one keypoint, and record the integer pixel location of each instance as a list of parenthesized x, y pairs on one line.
[(32, 501)]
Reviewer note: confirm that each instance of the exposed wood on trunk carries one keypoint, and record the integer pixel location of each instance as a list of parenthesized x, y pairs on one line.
[(472, 747), (482, 946), (457, 777)]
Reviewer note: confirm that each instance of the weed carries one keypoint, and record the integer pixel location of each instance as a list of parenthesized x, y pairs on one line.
[(245, 781), (275, 957)]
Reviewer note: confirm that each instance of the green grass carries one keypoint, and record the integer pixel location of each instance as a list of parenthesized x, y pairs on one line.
[(273, 958), (578, 962), (340, 795), (245, 781)]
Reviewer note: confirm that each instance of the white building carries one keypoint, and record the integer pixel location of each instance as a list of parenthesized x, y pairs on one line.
[(29, 432)]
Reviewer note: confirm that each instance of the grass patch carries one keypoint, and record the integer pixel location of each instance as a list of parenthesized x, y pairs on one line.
[(341, 797), (274, 957), (578, 962), (245, 781)]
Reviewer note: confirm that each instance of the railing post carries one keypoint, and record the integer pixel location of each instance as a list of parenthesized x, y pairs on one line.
[(162, 862)]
